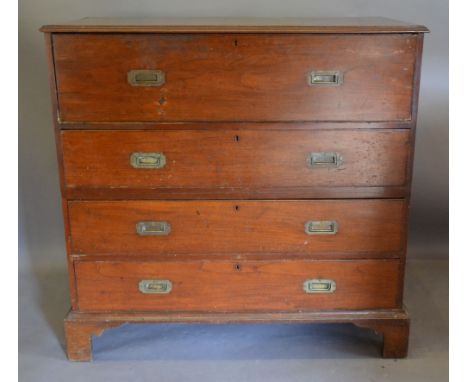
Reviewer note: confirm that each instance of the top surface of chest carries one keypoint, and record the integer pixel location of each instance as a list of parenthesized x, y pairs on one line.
[(239, 25)]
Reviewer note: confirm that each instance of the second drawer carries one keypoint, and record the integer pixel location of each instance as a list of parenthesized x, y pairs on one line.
[(330, 227), (275, 163)]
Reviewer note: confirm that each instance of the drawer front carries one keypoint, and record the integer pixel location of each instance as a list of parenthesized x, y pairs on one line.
[(229, 77), (226, 159), (235, 227), (245, 286)]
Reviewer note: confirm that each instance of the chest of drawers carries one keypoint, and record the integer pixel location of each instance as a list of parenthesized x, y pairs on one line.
[(228, 170)]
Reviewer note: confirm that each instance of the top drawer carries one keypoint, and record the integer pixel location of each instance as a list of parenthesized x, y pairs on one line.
[(234, 77)]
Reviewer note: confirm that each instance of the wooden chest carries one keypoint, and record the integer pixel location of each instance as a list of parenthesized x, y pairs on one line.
[(228, 170)]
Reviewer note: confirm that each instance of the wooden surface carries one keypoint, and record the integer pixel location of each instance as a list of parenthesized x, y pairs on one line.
[(228, 78), (233, 193), (79, 337), (232, 126), (238, 25), (395, 336), (236, 286), (205, 227), (315, 317), (235, 119), (392, 323), (58, 151), (234, 159)]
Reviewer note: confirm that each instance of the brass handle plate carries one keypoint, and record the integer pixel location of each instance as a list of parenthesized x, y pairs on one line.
[(324, 159), (155, 286), (153, 228), (145, 77), (327, 78), (319, 286), (321, 227), (148, 160)]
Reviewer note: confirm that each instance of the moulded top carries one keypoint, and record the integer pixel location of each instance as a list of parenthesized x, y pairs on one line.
[(236, 25)]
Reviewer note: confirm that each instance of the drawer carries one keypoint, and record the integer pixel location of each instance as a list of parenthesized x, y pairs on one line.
[(281, 161), (221, 286), (234, 77), (321, 227)]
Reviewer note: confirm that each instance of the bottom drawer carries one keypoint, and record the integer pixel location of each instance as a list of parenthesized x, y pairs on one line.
[(229, 286)]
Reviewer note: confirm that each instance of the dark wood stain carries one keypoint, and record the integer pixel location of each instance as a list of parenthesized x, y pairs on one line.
[(207, 79), (221, 287), (392, 323), (255, 227), (236, 120), (264, 25), (224, 160)]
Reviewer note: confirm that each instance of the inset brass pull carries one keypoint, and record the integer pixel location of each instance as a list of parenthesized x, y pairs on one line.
[(319, 286), (148, 160), (146, 77), (328, 78), (324, 159), (155, 286), (153, 228), (321, 227)]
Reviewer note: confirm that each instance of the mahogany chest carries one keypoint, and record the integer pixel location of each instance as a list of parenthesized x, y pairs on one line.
[(226, 170)]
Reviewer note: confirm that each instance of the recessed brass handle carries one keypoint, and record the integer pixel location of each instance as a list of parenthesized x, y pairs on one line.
[(328, 78), (148, 160), (319, 286), (321, 227), (324, 159), (155, 286), (145, 77), (153, 228)]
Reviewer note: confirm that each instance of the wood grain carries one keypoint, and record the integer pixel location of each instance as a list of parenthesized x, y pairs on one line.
[(244, 286), (212, 125), (59, 153), (234, 78), (79, 335), (235, 118), (393, 323), (395, 335), (204, 227), (237, 25), (312, 317), (275, 193), (243, 159)]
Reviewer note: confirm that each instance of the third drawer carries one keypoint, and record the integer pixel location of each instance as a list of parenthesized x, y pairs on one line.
[(307, 227)]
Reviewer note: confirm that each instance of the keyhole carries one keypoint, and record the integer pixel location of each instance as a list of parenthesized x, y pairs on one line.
[(236, 208), (235, 42), (237, 267), (237, 138)]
